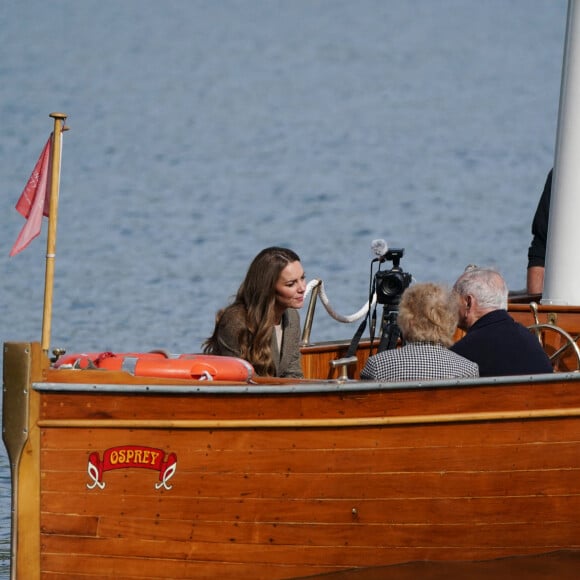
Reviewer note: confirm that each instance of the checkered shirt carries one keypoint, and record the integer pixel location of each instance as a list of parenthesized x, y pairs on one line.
[(418, 361)]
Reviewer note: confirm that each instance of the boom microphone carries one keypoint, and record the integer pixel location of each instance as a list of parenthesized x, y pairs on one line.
[(379, 249)]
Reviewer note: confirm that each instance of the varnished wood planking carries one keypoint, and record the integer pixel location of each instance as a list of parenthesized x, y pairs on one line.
[(421, 513), (430, 401), (565, 317), (475, 433), (422, 452), (137, 533), (69, 524), (122, 568), (396, 510), (441, 484), (349, 556), (316, 360)]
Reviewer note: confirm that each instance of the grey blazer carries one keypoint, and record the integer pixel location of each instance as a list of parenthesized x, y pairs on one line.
[(287, 362)]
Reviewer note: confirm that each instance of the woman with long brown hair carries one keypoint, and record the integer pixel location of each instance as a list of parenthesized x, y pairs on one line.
[(262, 325)]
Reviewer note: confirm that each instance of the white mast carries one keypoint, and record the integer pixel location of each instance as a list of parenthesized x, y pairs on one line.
[(562, 274)]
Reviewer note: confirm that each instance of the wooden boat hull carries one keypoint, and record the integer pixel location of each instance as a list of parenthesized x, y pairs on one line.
[(282, 479)]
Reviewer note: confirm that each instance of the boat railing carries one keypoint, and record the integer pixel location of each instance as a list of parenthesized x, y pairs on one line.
[(316, 290)]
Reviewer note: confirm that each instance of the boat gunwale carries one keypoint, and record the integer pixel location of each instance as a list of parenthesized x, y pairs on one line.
[(296, 387)]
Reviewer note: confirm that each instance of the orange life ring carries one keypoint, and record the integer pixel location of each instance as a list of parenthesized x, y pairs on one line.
[(159, 364)]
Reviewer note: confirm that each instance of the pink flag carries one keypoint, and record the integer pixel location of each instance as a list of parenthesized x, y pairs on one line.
[(34, 201)]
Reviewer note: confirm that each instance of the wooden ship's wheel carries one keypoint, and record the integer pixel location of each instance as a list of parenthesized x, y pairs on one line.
[(560, 346)]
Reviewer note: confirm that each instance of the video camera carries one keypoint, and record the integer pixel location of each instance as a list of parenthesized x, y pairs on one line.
[(390, 284)]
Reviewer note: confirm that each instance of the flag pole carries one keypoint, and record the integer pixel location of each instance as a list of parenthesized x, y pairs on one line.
[(59, 119)]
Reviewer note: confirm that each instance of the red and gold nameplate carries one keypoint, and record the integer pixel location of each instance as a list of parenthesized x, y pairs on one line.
[(132, 456)]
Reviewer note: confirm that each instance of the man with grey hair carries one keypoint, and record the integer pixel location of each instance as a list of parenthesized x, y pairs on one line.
[(494, 340)]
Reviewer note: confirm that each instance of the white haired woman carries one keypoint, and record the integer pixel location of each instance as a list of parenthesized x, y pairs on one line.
[(428, 317)]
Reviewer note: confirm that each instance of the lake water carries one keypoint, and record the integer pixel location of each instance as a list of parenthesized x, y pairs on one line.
[(203, 131)]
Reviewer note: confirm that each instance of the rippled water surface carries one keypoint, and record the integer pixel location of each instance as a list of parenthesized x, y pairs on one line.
[(203, 131)]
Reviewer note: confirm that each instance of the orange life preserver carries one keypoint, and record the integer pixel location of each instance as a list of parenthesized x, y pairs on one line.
[(159, 364)]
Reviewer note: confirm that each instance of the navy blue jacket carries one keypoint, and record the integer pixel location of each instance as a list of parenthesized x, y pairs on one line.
[(502, 346)]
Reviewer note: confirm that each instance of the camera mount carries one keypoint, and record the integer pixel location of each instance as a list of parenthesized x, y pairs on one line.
[(388, 285)]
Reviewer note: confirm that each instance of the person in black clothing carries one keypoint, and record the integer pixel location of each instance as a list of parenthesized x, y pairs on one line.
[(494, 340), (537, 249)]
